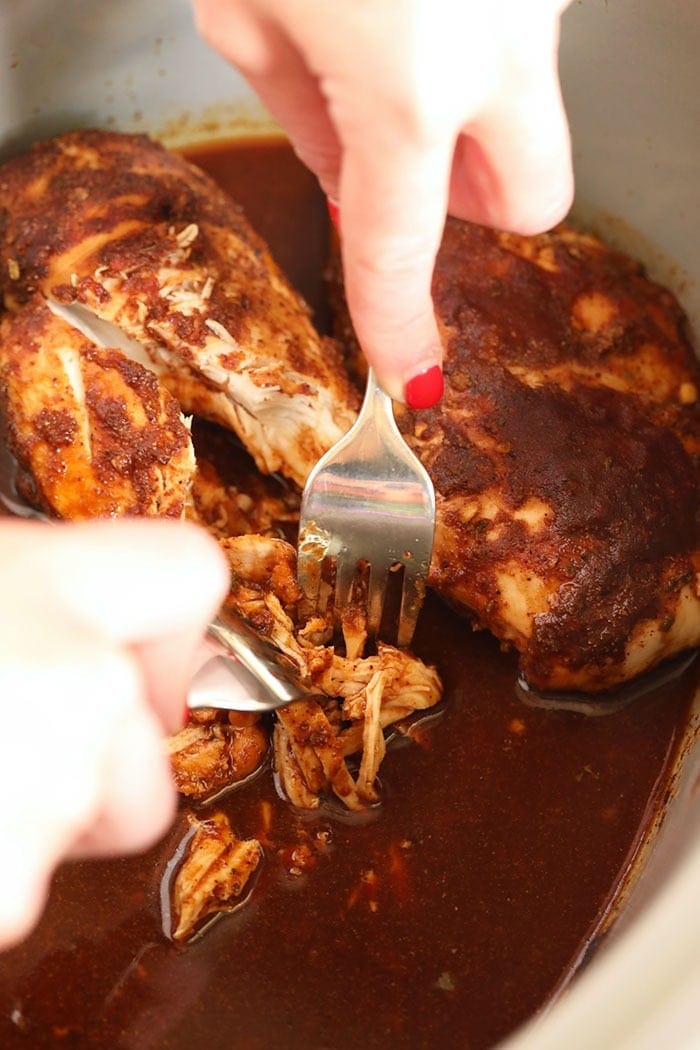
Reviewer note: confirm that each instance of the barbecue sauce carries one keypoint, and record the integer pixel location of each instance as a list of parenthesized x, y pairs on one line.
[(446, 916)]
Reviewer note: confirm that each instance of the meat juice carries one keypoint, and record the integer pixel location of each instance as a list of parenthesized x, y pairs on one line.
[(445, 916)]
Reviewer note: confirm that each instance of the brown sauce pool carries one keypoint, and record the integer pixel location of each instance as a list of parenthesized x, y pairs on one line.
[(446, 917)]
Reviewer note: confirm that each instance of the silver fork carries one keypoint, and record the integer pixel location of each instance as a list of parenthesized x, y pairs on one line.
[(369, 501)]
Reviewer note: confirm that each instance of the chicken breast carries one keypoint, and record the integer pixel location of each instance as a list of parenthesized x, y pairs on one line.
[(94, 434), (136, 238), (565, 455)]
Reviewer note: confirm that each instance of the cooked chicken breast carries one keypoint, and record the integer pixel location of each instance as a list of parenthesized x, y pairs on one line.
[(565, 452), (135, 237), (565, 455), (94, 434)]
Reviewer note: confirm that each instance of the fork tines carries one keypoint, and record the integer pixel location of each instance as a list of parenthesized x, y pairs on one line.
[(367, 523)]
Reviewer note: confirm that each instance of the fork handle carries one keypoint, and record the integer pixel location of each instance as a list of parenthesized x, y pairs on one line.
[(377, 405)]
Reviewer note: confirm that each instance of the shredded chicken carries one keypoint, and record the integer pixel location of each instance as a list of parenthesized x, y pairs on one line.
[(358, 696), (210, 753), (357, 699), (311, 754), (214, 873)]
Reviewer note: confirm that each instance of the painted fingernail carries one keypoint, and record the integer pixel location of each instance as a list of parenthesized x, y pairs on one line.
[(185, 716), (425, 389), (334, 212)]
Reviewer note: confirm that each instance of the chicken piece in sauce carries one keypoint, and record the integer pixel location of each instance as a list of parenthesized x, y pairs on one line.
[(134, 237), (94, 434), (215, 750), (215, 871), (565, 455)]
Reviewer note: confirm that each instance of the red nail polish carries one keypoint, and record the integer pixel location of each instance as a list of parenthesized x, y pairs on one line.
[(334, 212), (425, 389), (185, 716)]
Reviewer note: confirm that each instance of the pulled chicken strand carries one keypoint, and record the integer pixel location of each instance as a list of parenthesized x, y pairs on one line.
[(353, 699), (213, 875)]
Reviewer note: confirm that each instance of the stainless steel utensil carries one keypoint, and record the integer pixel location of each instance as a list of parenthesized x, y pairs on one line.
[(242, 670), (369, 501)]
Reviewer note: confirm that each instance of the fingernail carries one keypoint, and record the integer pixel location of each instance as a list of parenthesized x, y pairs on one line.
[(425, 389), (334, 212), (185, 716)]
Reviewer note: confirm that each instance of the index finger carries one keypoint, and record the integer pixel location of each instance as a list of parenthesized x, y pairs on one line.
[(393, 201)]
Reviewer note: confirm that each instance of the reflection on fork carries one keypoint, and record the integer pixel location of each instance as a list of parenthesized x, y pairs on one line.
[(367, 520)]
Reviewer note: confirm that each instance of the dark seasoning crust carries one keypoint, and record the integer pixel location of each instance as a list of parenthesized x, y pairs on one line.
[(621, 489), (73, 203), (121, 451)]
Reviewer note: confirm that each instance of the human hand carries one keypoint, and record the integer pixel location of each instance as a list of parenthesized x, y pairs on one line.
[(99, 624), (405, 111)]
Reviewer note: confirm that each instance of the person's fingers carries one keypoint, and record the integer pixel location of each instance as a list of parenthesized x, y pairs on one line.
[(138, 800), (148, 586), (62, 722), (374, 100), (278, 73), (512, 169), (162, 598), (393, 199), (133, 580)]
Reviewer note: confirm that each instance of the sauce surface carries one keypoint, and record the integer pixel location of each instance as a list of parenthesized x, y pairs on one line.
[(445, 917)]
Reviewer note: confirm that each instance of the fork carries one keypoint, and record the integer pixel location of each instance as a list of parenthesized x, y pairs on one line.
[(242, 670), (369, 505)]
